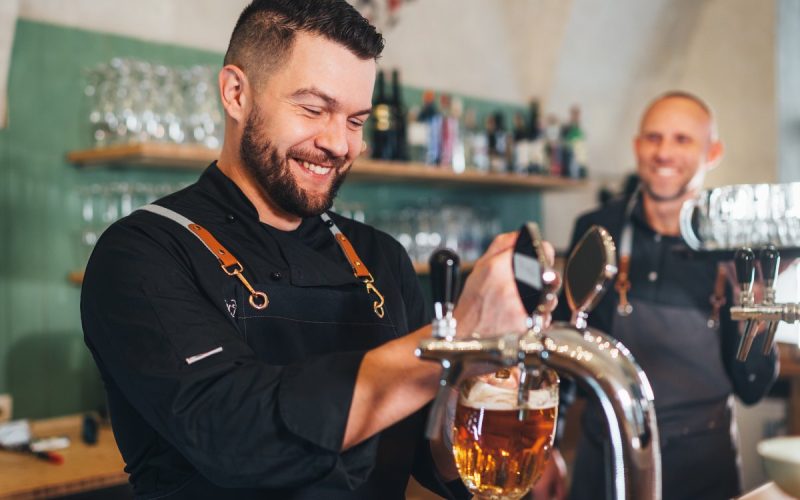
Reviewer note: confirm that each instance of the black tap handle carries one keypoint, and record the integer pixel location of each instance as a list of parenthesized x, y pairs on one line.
[(530, 268), (745, 271), (770, 259), (444, 275)]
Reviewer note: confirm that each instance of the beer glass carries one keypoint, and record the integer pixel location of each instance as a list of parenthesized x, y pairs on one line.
[(501, 436)]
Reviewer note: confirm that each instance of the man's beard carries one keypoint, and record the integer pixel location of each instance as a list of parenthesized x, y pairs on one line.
[(647, 188), (273, 174)]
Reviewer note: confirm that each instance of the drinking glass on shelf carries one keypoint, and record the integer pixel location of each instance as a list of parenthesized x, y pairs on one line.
[(502, 441)]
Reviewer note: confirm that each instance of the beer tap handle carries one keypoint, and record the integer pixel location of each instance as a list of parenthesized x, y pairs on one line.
[(444, 275), (770, 259), (444, 265), (534, 277), (745, 273), (744, 259)]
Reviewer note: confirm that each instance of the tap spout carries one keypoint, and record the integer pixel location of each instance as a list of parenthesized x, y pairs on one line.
[(606, 367)]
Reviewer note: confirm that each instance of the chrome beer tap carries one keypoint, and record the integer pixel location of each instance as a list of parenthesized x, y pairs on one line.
[(769, 261), (745, 274), (598, 362), (768, 311), (444, 269)]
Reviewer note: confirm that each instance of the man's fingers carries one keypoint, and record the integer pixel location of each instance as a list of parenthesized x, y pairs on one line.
[(501, 243)]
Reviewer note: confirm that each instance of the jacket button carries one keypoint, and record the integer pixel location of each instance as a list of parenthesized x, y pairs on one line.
[(230, 218), (275, 276)]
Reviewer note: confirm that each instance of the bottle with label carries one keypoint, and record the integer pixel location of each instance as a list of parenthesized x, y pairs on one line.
[(459, 156), (520, 162), (419, 125), (451, 140), (498, 143), (552, 140), (399, 119), (574, 141), (536, 144), (382, 126), (476, 143)]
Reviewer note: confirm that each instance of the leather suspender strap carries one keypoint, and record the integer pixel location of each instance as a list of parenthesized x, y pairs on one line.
[(229, 264), (717, 298), (623, 283), (360, 270)]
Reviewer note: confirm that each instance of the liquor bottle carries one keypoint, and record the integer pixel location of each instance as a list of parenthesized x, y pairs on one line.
[(382, 126), (430, 115), (419, 133), (520, 162), (574, 141), (498, 143), (536, 143), (459, 158), (553, 154), (449, 132), (476, 143), (399, 119)]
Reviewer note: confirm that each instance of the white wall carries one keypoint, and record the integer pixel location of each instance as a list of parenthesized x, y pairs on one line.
[(617, 56), (610, 57)]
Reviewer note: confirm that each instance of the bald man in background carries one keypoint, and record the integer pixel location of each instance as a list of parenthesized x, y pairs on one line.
[(671, 314)]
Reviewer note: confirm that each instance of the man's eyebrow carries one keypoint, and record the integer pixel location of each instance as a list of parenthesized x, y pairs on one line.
[(330, 101)]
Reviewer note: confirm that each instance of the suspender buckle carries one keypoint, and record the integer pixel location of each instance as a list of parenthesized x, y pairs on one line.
[(377, 305), (258, 300)]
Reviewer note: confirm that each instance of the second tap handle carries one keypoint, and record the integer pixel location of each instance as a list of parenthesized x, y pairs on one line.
[(770, 259), (745, 271), (444, 275)]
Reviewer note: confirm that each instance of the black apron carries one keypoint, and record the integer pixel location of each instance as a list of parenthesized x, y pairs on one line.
[(339, 319), (693, 407)]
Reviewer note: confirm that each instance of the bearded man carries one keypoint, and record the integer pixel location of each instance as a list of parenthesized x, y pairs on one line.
[(252, 343)]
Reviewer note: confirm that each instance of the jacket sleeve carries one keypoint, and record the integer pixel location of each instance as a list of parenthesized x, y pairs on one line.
[(186, 370)]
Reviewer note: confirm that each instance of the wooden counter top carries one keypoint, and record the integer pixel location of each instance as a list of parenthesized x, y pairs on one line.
[(85, 467)]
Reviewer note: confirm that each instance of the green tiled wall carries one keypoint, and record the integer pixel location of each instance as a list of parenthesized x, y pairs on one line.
[(43, 362)]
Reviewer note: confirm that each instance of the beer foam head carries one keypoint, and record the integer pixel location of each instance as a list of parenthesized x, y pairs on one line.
[(492, 397)]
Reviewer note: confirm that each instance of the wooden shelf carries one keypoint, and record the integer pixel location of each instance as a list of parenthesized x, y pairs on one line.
[(146, 154), (154, 155)]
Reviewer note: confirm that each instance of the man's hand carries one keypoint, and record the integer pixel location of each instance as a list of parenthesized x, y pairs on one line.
[(490, 304)]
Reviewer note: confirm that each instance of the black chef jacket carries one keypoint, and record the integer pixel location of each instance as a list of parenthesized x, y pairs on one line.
[(689, 393), (264, 415)]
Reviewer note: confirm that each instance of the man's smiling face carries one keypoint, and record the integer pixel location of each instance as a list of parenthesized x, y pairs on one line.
[(675, 148), (305, 127)]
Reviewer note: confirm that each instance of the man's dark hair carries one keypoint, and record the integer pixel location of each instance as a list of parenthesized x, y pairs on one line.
[(266, 29)]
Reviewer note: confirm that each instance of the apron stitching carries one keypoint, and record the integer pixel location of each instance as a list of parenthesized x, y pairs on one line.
[(318, 322)]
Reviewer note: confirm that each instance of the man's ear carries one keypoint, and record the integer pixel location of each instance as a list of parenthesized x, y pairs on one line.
[(234, 91), (715, 153)]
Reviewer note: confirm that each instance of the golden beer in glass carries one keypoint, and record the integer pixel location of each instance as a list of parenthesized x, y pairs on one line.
[(500, 446)]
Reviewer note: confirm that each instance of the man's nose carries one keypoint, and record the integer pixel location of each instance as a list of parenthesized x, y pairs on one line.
[(664, 150), (333, 139)]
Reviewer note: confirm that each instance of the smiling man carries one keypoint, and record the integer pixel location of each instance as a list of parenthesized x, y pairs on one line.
[(670, 312), (252, 343)]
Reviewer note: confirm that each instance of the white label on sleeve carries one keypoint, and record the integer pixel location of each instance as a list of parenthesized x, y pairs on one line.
[(198, 357)]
